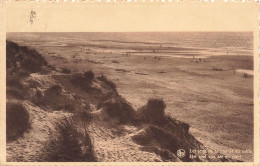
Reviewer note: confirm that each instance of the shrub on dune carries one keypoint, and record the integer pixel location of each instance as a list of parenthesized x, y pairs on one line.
[(117, 107), (17, 121), (31, 65), (83, 80), (14, 93), (108, 82), (89, 75), (152, 112), (14, 82), (23, 73)]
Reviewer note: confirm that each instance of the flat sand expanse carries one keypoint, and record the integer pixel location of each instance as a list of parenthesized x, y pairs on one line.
[(211, 93)]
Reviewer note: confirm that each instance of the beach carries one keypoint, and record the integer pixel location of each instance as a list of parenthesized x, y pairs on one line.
[(209, 88)]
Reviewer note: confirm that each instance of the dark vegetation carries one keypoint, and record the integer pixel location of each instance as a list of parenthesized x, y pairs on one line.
[(163, 135), (23, 59), (71, 144), (14, 82), (152, 112), (15, 88), (117, 107), (108, 82), (14, 93), (83, 80), (17, 121)]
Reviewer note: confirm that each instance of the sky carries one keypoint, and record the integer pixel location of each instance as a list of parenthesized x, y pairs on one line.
[(131, 17)]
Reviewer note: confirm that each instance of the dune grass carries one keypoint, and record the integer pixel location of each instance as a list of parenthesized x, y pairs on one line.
[(72, 143), (29, 59), (152, 112), (17, 121), (117, 107), (83, 80), (108, 82)]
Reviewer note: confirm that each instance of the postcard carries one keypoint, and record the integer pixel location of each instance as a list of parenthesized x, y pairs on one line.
[(129, 83)]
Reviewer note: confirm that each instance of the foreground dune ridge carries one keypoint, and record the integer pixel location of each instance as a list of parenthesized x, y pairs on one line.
[(51, 96)]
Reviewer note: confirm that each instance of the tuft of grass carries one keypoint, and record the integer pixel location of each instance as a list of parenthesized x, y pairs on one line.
[(108, 82), (14, 82), (14, 93), (17, 121), (83, 80), (89, 75), (23, 74), (118, 107), (152, 112), (71, 144)]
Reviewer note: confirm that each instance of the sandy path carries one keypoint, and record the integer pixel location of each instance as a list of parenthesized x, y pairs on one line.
[(114, 144)]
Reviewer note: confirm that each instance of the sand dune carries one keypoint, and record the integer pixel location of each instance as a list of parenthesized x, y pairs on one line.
[(214, 103)]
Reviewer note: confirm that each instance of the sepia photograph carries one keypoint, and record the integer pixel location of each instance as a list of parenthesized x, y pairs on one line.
[(129, 97), (129, 83)]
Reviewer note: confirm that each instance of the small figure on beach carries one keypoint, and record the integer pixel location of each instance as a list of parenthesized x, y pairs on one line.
[(245, 75)]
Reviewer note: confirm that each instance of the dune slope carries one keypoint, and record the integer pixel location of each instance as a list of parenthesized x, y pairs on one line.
[(77, 116)]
